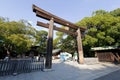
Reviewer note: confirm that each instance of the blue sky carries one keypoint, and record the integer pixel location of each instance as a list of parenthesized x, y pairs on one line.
[(71, 10)]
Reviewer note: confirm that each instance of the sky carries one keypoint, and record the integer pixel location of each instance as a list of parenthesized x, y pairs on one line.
[(70, 10)]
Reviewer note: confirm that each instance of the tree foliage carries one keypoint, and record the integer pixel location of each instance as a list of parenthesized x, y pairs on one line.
[(41, 38), (115, 12), (103, 29), (66, 43), (99, 12), (19, 36)]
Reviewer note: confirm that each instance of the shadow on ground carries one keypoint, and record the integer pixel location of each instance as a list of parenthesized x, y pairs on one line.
[(68, 70), (111, 76)]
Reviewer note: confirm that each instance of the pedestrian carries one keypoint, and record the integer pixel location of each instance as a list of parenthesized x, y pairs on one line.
[(75, 56), (6, 58), (42, 62)]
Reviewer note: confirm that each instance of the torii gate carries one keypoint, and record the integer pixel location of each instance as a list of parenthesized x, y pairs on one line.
[(54, 19)]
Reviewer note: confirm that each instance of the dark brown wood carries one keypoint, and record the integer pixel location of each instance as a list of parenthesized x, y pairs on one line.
[(108, 55), (20, 66), (56, 28), (48, 63), (46, 15), (80, 49)]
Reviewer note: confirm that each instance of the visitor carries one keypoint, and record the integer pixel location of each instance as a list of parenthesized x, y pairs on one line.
[(42, 62), (75, 56), (6, 58)]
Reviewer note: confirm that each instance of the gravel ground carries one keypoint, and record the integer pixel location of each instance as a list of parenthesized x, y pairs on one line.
[(70, 70)]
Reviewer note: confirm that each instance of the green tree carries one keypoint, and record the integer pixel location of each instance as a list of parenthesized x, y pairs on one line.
[(99, 12), (115, 12), (103, 30), (69, 44), (17, 36), (57, 41), (41, 37), (65, 42)]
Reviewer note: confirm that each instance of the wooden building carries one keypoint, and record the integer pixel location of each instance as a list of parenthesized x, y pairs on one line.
[(107, 54)]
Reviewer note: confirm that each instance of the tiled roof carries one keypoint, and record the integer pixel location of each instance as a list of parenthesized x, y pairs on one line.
[(105, 48)]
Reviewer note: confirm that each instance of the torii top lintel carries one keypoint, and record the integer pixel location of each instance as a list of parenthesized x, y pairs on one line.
[(46, 15)]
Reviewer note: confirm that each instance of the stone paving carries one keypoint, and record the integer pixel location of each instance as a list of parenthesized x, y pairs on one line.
[(69, 70), (111, 76)]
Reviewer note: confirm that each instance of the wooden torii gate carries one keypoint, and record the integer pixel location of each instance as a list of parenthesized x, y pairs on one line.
[(54, 19)]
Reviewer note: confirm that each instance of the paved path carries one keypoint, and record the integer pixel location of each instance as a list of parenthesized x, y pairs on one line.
[(111, 76), (69, 71)]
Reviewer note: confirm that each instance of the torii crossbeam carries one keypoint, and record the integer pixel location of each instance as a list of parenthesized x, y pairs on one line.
[(55, 19)]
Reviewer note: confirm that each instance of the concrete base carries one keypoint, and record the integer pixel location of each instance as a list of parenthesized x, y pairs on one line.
[(48, 70)]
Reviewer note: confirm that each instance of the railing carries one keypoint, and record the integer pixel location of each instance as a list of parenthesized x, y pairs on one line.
[(13, 67)]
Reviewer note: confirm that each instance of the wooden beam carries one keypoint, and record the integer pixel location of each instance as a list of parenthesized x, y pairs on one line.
[(46, 15), (42, 15), (41, 24), (80, 49), (56, 28)]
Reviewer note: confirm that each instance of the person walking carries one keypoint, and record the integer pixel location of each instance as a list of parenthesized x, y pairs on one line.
[(75, 56)]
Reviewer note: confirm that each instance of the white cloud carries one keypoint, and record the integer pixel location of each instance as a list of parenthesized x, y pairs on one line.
[(30, 22)]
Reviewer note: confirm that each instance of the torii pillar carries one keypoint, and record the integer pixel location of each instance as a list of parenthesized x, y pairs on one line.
[(48, 63), (54, 19), (80, 49)]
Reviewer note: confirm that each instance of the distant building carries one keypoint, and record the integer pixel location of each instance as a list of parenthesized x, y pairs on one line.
[(107, 53), (55, 53)]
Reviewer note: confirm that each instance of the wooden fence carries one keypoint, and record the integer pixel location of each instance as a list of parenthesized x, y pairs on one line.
[(13, 67)]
